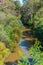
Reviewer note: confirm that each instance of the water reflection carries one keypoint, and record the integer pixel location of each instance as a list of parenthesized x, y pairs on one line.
[(24, 43)]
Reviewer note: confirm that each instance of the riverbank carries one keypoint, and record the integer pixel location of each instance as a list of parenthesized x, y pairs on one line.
[(25, 43)]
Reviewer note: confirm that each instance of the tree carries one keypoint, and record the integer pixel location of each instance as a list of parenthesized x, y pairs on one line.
[(9, 6), (38, 20), (10, 30), (29, 9)]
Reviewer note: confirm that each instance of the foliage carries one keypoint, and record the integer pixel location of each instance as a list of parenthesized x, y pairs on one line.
[(16, 34), (4, 52), (39, 18), (12, 46), (8, 6), (28, 11), (36, 54), (38, 23), (32, 16), (3, 35), (24, 60), (22, 63), (10, 29)]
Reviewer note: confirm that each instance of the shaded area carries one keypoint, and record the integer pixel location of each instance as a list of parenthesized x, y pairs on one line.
[(16, 62), (27, 41), (11, 63)]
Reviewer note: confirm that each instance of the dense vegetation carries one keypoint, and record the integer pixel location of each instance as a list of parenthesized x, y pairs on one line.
[(32, 17), (11, 15), (36, 56), (10, 29)]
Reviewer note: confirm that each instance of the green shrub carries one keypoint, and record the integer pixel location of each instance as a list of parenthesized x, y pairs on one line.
[(36, 54), (38, 21), (12, 46), (10, 29), (24, 60)]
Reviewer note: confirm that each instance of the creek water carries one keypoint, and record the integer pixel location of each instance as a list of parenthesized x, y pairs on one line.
[(24, 46), (25, 49)]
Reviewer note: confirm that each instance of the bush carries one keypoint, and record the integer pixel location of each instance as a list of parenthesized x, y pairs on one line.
[(10, 29), (38, 21), (36, 54), (16, 34), (4, 52), (24, 60), (12, 46)]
